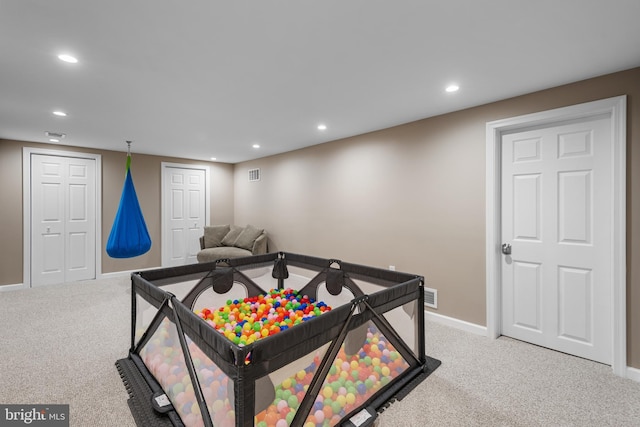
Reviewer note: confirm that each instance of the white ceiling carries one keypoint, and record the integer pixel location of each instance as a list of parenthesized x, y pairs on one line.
[(205, 78)]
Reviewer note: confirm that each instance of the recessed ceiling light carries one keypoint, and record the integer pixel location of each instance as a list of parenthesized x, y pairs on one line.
[(60, 113), (68, 58), (322, 127), (452, 88), (213, 158), (256, 145), (53, 140)]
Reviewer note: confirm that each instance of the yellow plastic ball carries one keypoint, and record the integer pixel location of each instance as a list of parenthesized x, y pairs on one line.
[(327, 392)]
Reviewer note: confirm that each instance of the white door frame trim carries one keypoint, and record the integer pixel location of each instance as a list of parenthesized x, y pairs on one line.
[(26, 205), (616, 108), (164, 241)]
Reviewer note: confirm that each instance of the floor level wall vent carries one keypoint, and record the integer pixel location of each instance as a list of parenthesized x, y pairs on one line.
[(431, 297)]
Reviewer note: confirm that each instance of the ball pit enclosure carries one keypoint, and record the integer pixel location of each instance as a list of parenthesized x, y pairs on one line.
[(273, 340)]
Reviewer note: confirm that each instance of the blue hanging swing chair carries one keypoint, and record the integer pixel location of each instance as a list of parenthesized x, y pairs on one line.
[(129, 236)]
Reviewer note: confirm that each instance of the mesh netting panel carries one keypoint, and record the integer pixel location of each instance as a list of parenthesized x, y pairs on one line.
[(365, 363), (299, 277), (216, 387), (262, 277), (212, 300), (164, 358), (290, 385), (180, 289), (145, 312), (404, 322)]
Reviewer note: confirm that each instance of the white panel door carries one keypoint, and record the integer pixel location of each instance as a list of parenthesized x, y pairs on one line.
[(63, 215), (184, 214), (556, 211)]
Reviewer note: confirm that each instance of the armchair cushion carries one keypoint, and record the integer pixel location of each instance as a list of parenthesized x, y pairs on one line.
[(247, 237), (230, 238), (214, 234), (222, 252)]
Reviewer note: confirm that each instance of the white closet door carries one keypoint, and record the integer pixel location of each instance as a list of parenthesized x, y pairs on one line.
[(63, 215), (184, 213)]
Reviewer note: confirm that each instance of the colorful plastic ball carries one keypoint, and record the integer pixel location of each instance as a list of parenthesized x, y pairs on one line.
[(362, 389), (282, 405), (218, 405), (289, 417), (195, 408), (177, 388), (271, 418), (186, 407), (293, 401), (350, 398), (328, 412), (336, 407), (327, 392), (319, 416), (190, 419), (283, 413), (282, 423)]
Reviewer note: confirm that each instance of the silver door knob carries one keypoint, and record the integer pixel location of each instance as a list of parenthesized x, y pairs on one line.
[(506, 248)]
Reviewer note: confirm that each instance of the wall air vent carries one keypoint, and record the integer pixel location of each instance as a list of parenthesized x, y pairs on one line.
[(254, 175), (431, 297)]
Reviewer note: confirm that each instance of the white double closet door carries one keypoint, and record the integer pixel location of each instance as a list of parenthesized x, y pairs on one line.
[(556, 215), (63, 219)]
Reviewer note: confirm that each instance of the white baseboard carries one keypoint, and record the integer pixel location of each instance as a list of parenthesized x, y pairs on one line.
[(115, 274), (456, 323), (633, 374), (112, 275), (15, 287)]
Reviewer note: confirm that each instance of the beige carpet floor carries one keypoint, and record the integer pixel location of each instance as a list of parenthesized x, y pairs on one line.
[(59, 344)]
